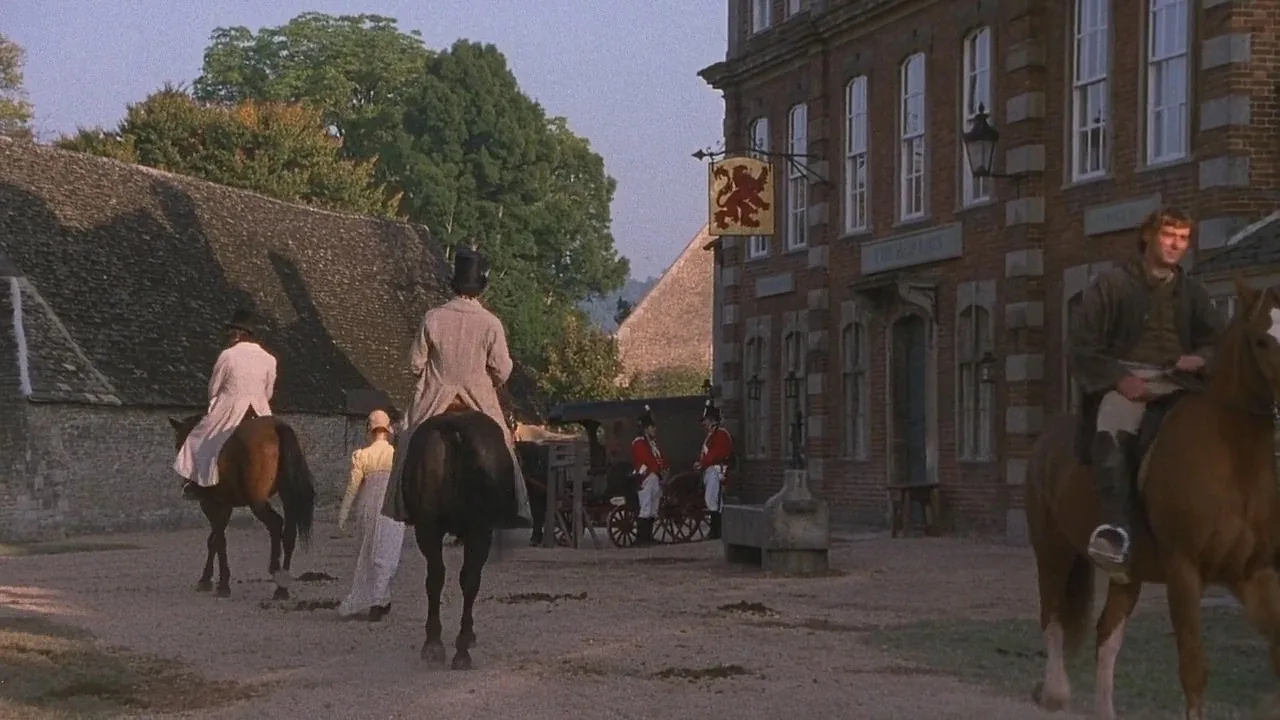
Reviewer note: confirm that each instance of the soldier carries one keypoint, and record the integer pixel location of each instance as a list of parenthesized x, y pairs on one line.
[(648, 467), (717, 450), (243, 381)]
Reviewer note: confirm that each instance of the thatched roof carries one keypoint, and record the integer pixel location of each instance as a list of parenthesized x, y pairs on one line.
[(125, 275)]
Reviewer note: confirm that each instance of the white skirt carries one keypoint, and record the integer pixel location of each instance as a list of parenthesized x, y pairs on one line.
[(381, 540)]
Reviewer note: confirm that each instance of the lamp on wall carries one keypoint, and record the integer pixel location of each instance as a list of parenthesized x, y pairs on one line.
[(987, 369), (791, 388), (754, 386), (980, 148)]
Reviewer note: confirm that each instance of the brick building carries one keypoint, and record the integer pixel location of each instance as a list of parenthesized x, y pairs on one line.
[(669, 330), (925, 309), (117, 280)]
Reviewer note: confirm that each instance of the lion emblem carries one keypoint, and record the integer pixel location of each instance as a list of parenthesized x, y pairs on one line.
[(741, 197)]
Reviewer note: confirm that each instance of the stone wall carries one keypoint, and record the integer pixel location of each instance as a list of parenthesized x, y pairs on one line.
[(67, 469)]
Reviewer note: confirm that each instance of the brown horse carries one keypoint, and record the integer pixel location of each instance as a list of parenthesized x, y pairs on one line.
[(262, 457), (1207, 515)]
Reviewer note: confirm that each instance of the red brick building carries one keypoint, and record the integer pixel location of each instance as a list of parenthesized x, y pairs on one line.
[(894, 273)]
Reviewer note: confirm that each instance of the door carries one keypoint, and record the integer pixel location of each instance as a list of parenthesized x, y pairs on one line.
[(910, 418)]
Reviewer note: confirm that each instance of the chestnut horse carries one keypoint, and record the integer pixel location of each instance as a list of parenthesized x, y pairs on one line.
[(458, 477), (1207, 512), (262, 457)]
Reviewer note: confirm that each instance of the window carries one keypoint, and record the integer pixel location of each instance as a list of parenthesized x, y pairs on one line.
[(977, 94), (758, 245), (855, 355), (792, 362), (761, 15), (793, 7), (975, 441), (911, 138), (1226, 305), (797, 232), (1076, 280), (1091, 62), (855, 155), (1168, 80), (754, 370)]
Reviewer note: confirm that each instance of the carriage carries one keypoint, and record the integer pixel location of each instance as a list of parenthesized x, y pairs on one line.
[(601, 458)]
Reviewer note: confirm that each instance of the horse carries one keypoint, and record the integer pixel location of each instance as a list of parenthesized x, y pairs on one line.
[(261, 458), (458, 477), (1206, 513)]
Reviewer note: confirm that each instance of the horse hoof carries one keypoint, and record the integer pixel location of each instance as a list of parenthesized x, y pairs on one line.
[(1046, 701), (204, 586), (281, 593), (282, 578), (433, 653), (223, 591), (461, 661)]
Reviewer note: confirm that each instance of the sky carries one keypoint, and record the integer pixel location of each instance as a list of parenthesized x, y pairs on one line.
[(623, 72)]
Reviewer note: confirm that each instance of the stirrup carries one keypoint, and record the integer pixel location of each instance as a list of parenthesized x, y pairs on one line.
[(1120, 556)]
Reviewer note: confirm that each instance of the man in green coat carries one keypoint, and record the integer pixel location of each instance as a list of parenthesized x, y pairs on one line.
[(1134, 323)]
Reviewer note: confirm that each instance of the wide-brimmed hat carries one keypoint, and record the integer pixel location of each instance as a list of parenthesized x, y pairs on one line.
[(379, 420), (470, 272), (243, 321)]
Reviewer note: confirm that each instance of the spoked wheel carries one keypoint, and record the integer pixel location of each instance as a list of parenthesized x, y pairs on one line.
[(562, 537), (668, 530), (699, 525), (622, 526)]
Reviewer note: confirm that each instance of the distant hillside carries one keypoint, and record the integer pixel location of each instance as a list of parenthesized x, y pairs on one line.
[(602, 309)]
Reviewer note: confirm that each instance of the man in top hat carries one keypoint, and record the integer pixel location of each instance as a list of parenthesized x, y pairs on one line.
[(460, 358), (243, 381), (648, 466), (717, 450)]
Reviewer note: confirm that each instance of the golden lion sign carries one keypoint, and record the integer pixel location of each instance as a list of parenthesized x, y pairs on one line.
[(741, 197)]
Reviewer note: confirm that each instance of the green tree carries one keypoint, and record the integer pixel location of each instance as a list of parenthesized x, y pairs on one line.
[(581, 363), (671, 381), (15, 111), (280, 150)]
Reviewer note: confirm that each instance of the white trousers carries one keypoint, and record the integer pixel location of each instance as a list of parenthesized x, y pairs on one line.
[(650, 496), (711, 479)]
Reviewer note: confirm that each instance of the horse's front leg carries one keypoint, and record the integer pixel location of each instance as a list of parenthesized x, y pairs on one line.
[(1121, 600), (431, 544), (1260, 596), (474, 555), (1185, 589)]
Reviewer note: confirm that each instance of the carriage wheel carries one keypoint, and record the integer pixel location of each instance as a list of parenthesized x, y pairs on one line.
[(668, 530), (622, 527), (562, 537), (699, 525)]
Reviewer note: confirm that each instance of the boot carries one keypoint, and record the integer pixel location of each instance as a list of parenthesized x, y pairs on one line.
[(1109, 544), (714, 532), (189, 490), (644, 532)]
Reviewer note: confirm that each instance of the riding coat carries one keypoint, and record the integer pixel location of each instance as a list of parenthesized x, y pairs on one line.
[(244, 378)]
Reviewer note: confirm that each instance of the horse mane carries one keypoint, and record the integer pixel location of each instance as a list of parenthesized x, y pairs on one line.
[(1236, 377)]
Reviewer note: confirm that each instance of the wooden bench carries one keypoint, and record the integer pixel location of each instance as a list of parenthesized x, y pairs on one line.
[(903, 498)]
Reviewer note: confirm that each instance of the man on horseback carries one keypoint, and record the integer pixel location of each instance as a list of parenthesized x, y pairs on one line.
[(717, 450), (648, 466), (241, 387), (1134, 324), (460, 358)]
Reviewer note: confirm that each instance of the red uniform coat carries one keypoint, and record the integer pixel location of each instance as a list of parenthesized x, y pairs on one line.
[(646, 457), (716, 449)]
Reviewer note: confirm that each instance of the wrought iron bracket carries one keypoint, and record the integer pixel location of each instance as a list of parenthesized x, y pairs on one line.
[(793, 161)]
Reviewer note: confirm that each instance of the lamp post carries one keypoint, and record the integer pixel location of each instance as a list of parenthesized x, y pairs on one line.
[(791, 388), (980, 148)]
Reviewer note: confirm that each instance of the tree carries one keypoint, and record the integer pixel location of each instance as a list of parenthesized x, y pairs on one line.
[(671, 381), (622, 311), (280, 150), (581, 363), (15, 111)]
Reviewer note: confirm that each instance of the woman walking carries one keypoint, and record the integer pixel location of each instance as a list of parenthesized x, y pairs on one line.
[(381, 538)]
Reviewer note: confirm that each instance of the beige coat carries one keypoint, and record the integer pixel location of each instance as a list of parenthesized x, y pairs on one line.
[(244, 377)]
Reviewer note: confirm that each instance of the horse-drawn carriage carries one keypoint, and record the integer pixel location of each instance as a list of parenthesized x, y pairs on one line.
[(601, 459)]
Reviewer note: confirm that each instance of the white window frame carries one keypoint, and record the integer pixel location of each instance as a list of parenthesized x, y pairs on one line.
[(1090, 90), (1225, 304), (1168, 120), (855, 352), (761, 15), (793, 7), (797, 221), (976, 94), (912, 144), (975, 426), (857, 170), (758, 245), (793, 352)]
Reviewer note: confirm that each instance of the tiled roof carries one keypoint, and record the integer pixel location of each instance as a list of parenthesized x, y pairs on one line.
[(126, 275), (671, 327), (1257, 245)]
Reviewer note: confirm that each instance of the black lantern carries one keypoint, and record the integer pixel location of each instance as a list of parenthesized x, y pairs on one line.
[(987, 369), (754, 386), (791, 387), (980, 144)]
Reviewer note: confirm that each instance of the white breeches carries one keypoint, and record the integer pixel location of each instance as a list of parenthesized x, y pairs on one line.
[(650, 496), (711, 479)]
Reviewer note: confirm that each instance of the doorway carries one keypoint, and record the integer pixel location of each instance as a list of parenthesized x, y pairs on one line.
[(909, 370)]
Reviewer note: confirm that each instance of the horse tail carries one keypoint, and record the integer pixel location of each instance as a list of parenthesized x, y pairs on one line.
[(294, 481)]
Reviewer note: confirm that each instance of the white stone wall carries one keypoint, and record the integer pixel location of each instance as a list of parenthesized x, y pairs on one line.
[(67, 469)]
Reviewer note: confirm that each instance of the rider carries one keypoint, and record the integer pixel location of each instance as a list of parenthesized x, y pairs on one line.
[(1134, 323), (460, 358), (648, 465), (243, 382), (717, 450)]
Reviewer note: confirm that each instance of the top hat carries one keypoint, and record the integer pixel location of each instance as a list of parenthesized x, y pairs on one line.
[(243, 321), (470, 272)]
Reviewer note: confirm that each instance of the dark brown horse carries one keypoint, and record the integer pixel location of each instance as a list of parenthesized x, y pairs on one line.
[(261, 458), (458, 478), (1207, 515)]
